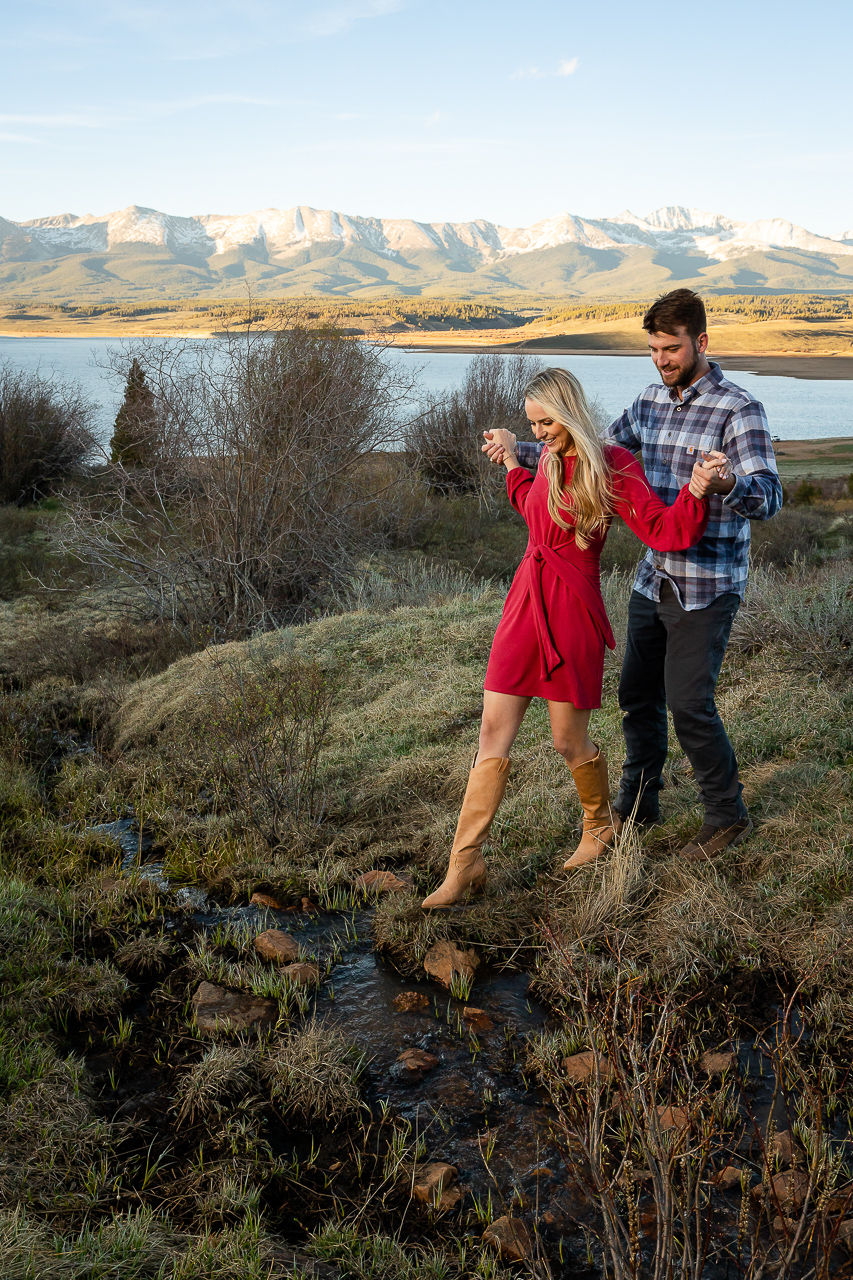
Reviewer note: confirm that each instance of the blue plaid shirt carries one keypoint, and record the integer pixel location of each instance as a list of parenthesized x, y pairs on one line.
[(671, 434)]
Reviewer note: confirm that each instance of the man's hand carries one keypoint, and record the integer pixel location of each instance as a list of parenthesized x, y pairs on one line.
[(711, 475), (498, 444)]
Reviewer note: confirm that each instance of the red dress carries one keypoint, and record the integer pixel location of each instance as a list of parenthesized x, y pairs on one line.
[(551, 636)]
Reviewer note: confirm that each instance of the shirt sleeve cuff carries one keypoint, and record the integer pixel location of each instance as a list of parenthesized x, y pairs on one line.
[(738, 492)]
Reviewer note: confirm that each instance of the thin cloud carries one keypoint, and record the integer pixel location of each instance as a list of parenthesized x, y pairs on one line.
[(567, 67), (341, 18)]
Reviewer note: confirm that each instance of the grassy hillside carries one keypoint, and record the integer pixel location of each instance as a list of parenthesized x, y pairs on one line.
[(148, 271)]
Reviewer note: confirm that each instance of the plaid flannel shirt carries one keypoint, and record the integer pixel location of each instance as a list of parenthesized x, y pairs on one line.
[(671, 434)]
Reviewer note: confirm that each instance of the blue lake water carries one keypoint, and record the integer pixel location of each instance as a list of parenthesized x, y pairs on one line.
[(797, 408)]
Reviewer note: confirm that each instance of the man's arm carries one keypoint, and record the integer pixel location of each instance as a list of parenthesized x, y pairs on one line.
[(757, 490), (626, 429), (528, 453)]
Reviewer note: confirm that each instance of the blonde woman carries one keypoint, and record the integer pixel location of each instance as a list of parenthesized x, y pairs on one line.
[(551, 637)]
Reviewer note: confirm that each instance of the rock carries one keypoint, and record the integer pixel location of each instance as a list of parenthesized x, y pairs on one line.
[(265, 900), (277, 946), (445, 958), (381, 882), (430, 1181), (581, 1066), (411, 1001), (450, 1198), (477, 1019), (309, 907), (714, 1063), (844, 1235), (673, 1118), (418, 1060), (541, 1172), (510, 1237), (305, 973), (790, 1188), (216, 1008), (782, 1147), (728, 1178)]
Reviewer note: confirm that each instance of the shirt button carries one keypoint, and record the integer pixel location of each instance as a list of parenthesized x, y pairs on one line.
[(678, 409)]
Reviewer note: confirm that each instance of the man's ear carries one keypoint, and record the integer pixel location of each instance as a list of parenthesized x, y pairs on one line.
[(702, 343)]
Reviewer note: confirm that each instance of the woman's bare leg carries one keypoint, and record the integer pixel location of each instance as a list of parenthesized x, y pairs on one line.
[(502, 717), (570, 731)]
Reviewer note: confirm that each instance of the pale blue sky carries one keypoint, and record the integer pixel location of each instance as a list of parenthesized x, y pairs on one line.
[(431, 109)]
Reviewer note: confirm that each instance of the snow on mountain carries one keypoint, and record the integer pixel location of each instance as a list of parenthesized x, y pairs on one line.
[(279, 232)]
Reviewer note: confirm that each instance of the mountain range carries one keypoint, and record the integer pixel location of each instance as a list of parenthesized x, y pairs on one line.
[(140, 253)]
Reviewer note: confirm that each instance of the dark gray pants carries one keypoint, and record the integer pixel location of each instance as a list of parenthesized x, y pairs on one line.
[(673, 658)]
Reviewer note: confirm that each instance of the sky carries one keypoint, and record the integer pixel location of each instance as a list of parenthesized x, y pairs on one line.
[(438, 110)]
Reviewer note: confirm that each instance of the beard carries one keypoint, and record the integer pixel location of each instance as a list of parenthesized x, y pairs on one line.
[(684, 374)]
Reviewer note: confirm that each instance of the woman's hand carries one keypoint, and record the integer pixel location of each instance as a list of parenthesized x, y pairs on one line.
[(702, 479), (500, 447)]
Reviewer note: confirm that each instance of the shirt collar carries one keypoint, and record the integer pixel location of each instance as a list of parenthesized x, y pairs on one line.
[(705, 383)]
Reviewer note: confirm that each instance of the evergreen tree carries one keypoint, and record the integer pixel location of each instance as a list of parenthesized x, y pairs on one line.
[(134, 439)]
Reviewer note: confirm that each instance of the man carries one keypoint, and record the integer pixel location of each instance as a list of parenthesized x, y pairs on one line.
[(683, 603)]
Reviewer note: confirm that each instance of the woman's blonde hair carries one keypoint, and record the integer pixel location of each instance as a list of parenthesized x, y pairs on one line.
[(589, 497)]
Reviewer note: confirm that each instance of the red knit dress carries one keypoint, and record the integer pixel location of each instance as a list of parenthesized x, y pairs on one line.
[(551, 636)]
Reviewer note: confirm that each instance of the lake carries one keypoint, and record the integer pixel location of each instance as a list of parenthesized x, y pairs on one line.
[(797, 409)]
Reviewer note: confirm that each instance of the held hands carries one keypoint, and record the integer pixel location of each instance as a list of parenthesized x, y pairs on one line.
[(712, 475), (500, 447)]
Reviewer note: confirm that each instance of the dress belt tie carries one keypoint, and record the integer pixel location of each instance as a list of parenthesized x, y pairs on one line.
[(538, 554)]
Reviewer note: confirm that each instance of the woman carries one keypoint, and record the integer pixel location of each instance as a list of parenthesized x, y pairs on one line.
[(551, 637)]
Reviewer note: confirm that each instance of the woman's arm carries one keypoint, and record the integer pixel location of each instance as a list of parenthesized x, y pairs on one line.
[(661, 527)]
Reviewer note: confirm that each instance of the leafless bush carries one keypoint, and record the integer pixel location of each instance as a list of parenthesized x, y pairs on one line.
[(264, 492), (649, 1136), (264, 732), (45, 434), (445, 440)]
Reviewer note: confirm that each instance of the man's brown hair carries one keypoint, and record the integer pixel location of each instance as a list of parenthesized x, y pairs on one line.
[(680, 309)]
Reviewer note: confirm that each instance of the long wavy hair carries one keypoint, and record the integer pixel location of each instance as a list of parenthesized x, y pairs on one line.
[(589, 497)]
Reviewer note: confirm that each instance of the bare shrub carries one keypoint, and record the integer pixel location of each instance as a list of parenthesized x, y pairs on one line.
[(807, 613), (648, 1135), (445, 440), (45, 434), (63, 647), (264, 730), (263, 494)]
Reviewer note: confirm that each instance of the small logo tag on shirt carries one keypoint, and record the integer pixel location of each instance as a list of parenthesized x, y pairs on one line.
[(691, 448)]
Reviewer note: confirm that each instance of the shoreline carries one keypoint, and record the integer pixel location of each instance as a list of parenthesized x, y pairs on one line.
[(817, 367)]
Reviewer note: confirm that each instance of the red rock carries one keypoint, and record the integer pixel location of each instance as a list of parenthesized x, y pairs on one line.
[(310, 907), (265, 900), (782, 1147), (510, 1237), (418, 1060), (381, 882), (728, 1178), (411, 1001), (216, 1008), (305, 973), (714, 1063), (673, 1118), (277, 946), (844, 1235), (477, 1019), (790, 1188), (430, 1181), (581, 1066), (445, 958)]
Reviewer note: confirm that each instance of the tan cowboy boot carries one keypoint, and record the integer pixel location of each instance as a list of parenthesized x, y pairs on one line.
[(467, 869), (594, 791)]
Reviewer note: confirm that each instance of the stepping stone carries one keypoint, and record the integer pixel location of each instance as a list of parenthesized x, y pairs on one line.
[(305, 973), (581, 1066), (430, 1182), (277, 946), (417, 1061), (445, 958), (218, 1009), (714, 1063), (382, 882), (477, 1019), (411, 1001), (510, 1237), (265, 900)]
